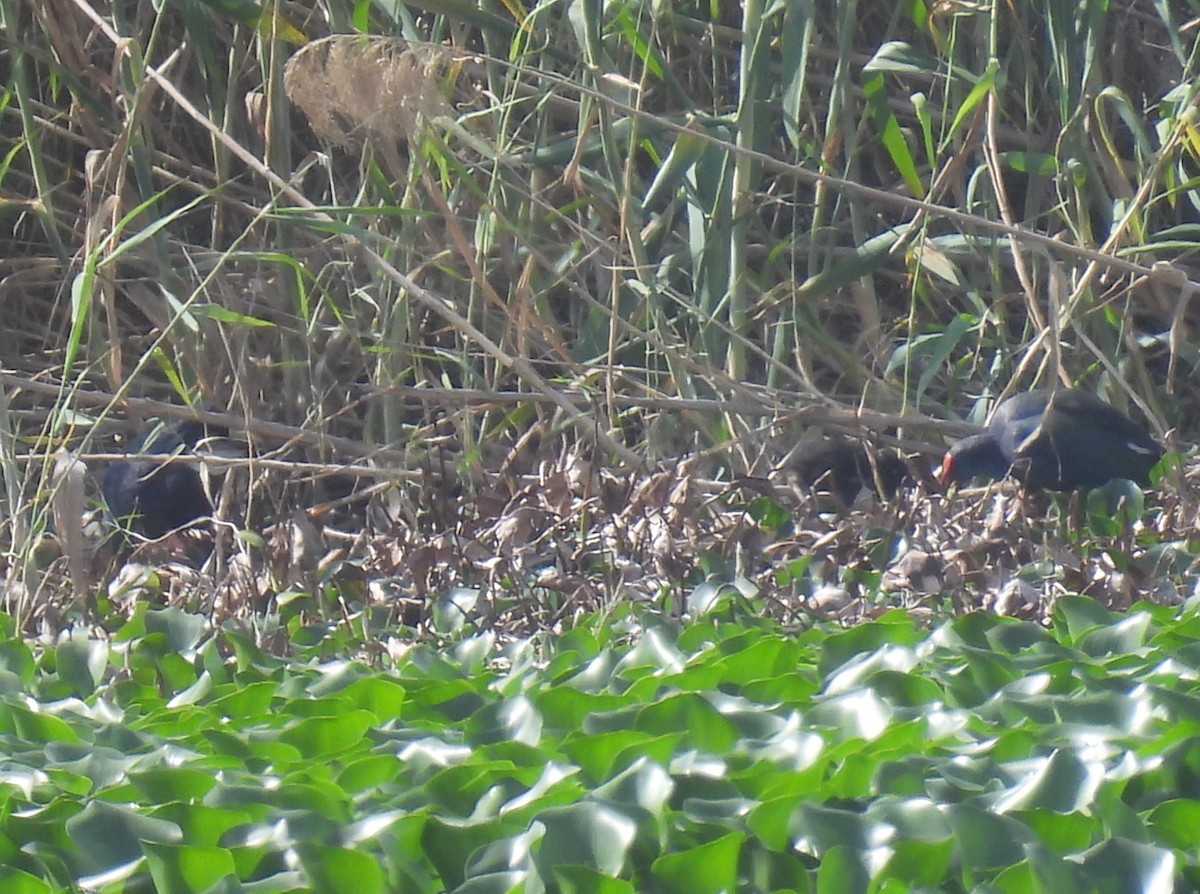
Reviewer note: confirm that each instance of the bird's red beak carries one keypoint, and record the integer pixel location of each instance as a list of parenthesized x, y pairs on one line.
[(947, 470)]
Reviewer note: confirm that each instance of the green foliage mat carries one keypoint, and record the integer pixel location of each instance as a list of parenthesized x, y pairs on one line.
[(629, 755)]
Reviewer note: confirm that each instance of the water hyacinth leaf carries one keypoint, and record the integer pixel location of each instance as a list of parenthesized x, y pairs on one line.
[(110, 835), (643, 783), (366, 773), (504, 855), (917, 863), (1077, 615), (508, 882), (710, 868), (1095, 716), (566, 707), (103, 767), (1064, 832), (1177, 821), (450, 613), (199, 690), (906, 689), (603, 753), (164, 784), (843, 870), (985, 749), (706, 727), (383, 698), (316, 737), (81, 663), (655, 651), (894, 628), (342, 871), (18, 882), (38, 727), (593, 835), (757, 657), (1061, 782), (184, 869), (450, 843), (1125, 637), (817, 829), (249, 700), (16, 659), (182, 629), (206, 826), (1017, 638), (1124, 865), (709, 596), (986, 840), (585, 880)]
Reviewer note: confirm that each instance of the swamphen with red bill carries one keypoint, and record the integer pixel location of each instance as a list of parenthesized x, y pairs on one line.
[(1055, 440), (153, 495)]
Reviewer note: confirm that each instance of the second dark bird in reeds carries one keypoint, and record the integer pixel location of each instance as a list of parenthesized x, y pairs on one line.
[(842, 468), (154, 495), (1055, 440)]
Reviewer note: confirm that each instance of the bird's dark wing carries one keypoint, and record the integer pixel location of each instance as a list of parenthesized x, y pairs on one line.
[(1016, 419), (155, 495), (1082, 441), (119, 488)]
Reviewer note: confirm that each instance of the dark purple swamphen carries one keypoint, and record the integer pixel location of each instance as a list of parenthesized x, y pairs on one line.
[(1055, 440)]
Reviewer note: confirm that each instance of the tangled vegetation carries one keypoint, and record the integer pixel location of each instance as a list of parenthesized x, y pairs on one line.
[(541, 331)]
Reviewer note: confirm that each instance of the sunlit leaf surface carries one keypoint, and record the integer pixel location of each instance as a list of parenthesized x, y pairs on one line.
[(703, 757)]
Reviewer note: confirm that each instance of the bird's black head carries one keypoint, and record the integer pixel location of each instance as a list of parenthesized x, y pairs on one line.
[(978, 456)]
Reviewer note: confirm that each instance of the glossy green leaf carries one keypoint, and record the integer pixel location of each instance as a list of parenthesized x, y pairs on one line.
[(591, 835), (187, 869), (342, 871), (111, 835), (708, 869)]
